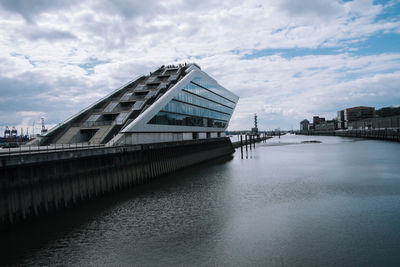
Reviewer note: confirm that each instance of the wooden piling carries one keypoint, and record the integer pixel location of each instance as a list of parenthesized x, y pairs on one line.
[(241, 145)]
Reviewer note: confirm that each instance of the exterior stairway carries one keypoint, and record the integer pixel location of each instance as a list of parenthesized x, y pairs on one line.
[(67, 137), (100, 134)]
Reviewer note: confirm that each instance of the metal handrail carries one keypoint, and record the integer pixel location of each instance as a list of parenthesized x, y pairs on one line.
[(86, 146), (45, 149)]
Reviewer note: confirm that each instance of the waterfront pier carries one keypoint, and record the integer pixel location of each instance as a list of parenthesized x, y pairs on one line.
[(173, 118), (249, 140), (36, 183)]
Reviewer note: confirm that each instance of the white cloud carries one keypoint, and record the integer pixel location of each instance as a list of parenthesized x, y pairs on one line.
[(45, 47)]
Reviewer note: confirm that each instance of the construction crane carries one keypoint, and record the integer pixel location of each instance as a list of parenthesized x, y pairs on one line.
[(14, 132), (7, 132), (44, 130)]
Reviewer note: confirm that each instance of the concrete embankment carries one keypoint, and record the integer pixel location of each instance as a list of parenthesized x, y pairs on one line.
[(38, 183), (379, 134)]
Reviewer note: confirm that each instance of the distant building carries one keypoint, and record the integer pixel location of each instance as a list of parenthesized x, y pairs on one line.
[(317, 120), (388, 112), (391, 122), (329, 125), (356, 114), (341, 120), (304, 125), (359, 113), (360, 117)]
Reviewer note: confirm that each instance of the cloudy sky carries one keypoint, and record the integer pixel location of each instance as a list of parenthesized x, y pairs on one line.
[(286, 59)]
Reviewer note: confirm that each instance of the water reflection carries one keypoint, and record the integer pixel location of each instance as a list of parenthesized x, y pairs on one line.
[(289, 204)]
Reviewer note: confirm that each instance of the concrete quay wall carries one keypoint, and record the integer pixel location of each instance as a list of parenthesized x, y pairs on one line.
[(378, 134), (31, 185)]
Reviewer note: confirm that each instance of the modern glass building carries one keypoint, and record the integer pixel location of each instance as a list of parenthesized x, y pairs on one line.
[(171, 104)]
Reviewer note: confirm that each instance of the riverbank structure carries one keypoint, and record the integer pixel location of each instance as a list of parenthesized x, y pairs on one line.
[(173, 103)]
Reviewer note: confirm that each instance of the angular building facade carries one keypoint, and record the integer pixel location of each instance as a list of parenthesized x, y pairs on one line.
[(174, 103)]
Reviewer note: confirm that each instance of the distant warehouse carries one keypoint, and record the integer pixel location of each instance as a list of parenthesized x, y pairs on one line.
[(349, 115), (359, 113)]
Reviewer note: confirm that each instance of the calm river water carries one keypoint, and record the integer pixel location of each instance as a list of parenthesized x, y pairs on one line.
[(335, 203)]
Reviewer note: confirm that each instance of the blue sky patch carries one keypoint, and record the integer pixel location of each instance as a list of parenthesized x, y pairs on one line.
[(89, 66), (291, 53), (377, 44)]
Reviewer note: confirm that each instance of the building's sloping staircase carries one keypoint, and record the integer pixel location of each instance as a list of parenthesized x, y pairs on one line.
[(67, 137), (100, 134)]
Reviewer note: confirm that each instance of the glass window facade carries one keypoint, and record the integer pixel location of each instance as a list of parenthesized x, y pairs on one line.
[(197, 106), (138, 105), (189, 109), (93, 117), (198, 90), (126, 96), (187, 97), (121, 118), (166, 118), (150, 94), (110, 107), (214, 87)]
